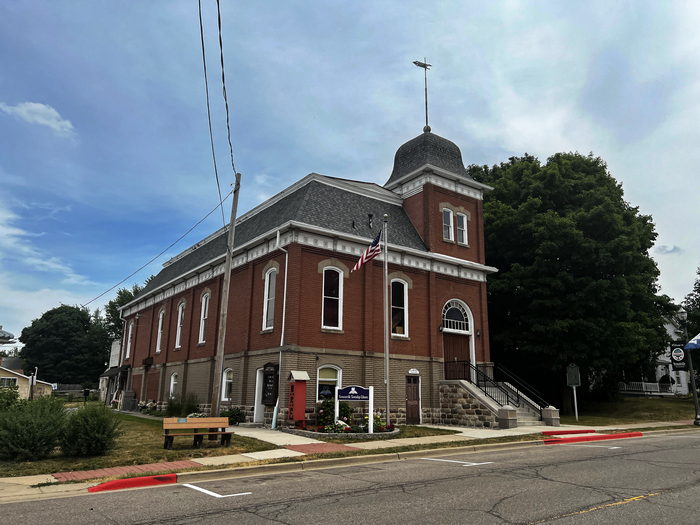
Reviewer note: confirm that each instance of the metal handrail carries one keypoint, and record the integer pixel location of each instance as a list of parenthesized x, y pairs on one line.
[(464, 370), (521, 386)]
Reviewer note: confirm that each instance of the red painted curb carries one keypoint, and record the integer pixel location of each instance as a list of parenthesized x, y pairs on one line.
[(596, 437), (562, 432), (143, 481)]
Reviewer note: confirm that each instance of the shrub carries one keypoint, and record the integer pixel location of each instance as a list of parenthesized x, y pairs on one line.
[(234, 414), (30, 430), (8, 396), (325, 412), (90, 431), (180, 407)]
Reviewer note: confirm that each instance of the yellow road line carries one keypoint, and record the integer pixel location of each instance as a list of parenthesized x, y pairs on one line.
[(600, 507)]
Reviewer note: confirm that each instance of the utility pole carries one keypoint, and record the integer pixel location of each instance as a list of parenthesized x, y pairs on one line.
[(223, 307)]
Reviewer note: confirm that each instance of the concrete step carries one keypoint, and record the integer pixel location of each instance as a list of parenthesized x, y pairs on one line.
[(522, 423)]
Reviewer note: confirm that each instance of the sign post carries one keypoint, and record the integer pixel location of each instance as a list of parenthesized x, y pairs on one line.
[(356, 393), (573, 379)]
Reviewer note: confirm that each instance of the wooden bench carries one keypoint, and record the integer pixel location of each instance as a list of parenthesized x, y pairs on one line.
[(197, 427)]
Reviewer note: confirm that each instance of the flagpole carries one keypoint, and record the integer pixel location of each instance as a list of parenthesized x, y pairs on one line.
[(386, 321)]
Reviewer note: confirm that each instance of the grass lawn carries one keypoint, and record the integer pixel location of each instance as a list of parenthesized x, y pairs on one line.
[(633, 410), (407, 431), (142, 442)]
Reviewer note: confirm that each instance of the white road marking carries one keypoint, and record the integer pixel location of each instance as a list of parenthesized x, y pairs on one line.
[(596, 446), (214, 494), (463, 463)]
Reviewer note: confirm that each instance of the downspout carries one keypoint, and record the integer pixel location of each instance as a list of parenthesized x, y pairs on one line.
[(284, 317)]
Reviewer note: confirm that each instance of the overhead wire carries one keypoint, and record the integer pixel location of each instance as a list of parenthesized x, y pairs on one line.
[(211, 133), (161, 253), (223, 84)]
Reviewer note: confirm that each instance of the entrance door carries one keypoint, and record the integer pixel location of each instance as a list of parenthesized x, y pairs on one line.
[(412, 400), (456, 354)]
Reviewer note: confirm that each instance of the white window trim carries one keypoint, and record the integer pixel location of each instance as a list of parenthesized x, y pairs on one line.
[(405, 307), (339, 382), (173, 385), (203, 316), (129, 339), (341, 276), (4, 380), (159, 337), (468, 313), (266, 300), (223, 384), (465, 242), (451, 224), (180, 324)]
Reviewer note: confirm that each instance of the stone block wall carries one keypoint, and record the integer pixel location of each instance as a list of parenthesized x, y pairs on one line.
[(458, 407)]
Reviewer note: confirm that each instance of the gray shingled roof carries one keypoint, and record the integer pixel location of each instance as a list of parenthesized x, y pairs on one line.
[(427, 148), (315, 203)]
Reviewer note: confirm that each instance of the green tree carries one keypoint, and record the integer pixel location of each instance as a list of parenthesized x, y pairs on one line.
[(67, 344), (576, 283), (691, 303), (113, 322)]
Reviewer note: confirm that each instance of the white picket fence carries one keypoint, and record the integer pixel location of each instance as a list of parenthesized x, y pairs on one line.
[(644, 387)]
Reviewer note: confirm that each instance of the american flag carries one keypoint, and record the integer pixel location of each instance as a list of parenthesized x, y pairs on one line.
[(370, 253)]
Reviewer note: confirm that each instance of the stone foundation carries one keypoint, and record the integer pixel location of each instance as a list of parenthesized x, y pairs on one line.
[(458, 407)]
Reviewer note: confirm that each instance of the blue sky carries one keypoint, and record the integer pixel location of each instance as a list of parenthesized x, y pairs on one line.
[(104, 148)]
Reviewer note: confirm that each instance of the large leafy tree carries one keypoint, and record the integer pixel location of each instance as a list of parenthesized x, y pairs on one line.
[(67, 344), (576, 283), (113, 322), (691, 303)]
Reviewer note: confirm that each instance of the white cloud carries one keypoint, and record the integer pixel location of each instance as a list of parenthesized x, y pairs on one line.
[(42, 114)]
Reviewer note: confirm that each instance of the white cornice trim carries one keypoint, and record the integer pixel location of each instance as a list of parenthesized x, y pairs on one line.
[(430, 168)]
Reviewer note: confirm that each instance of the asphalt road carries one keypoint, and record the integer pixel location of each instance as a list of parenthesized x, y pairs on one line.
[(654, 479)]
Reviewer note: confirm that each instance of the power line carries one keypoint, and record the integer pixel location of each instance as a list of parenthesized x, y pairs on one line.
[(211, 134), (223, 84), (162, 252)]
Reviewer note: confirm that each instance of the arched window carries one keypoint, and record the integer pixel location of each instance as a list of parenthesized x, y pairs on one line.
[(129, 339), (173, 385), (269, 299), (399, 308), (203, 315), (455, 317), (180, 324), (327, 378), (159, 337), (332, 298), (227, 385)]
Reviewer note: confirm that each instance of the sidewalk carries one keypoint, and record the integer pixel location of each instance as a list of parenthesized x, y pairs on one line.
[(289, 445)]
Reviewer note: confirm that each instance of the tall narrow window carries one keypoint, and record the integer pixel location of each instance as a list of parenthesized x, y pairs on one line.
[(180, 324), (159, 337), (332, 298), (227, 385), (462, 229), (269, 299), (399, 308), (129, 339), (173, 385), (327, 379), (203, 315), (447, 232)]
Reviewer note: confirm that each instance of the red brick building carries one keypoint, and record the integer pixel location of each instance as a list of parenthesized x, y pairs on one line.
[(295, 305)]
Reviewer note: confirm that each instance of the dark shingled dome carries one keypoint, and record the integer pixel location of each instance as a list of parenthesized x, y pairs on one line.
[(427, 148)]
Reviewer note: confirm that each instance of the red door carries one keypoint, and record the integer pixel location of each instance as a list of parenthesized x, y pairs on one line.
[(412, 400), (456, 355)]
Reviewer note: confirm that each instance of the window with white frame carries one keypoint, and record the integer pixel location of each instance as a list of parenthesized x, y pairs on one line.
[(447, 231), (269, 299), (462, 237), (203, 315), (328, 377), (180, 324), (129, 339), (455, 317), (399, 308), (227, 385), (173, 385), (8, 382), (332, 298), (159, 337)]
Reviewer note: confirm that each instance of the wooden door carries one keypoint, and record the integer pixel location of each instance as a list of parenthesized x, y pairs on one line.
[(456, 355), (412, 400)]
